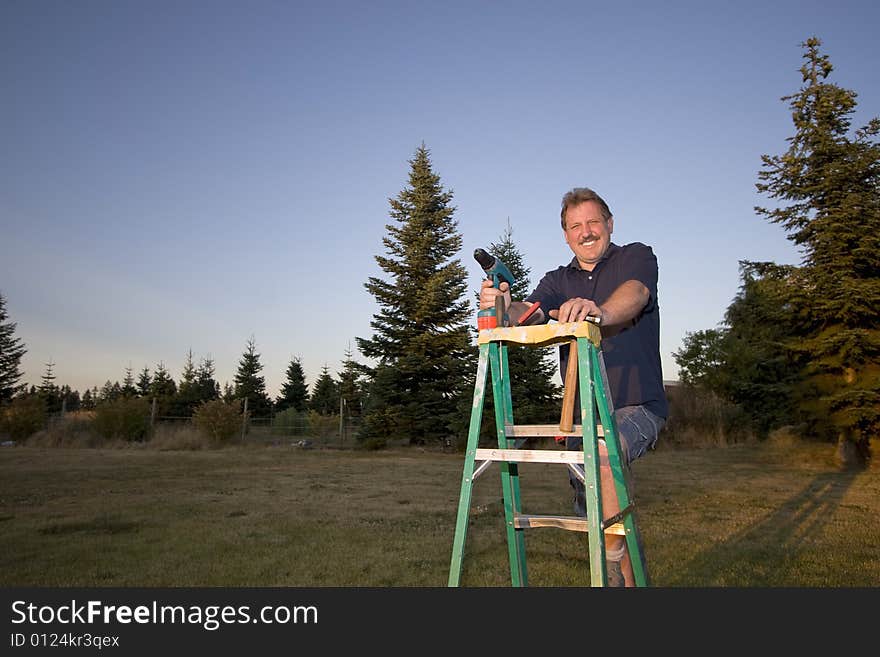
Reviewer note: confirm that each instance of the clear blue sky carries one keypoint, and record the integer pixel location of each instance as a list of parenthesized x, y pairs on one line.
[(187, 175)]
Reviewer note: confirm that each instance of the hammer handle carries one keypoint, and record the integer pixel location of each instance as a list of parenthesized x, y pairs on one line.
[(499, 310), (566, 422)]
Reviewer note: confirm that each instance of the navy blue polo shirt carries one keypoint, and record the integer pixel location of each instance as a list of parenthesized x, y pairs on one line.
[(632, 356)]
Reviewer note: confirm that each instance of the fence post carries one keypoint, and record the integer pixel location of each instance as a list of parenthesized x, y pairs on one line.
[(153, 414), (244, 419), (341, 420)]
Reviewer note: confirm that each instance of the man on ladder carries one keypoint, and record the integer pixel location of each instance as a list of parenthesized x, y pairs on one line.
[(617, 285)]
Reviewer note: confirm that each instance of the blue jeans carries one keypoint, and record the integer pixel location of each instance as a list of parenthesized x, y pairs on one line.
[(638, 429)]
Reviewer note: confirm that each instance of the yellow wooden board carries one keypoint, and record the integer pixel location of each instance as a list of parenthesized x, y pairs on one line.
[(542, 334)]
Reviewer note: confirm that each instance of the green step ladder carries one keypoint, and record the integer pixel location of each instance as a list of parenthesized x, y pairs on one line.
[(585, 365)]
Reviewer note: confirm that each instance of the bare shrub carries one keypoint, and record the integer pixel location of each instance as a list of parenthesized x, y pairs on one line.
[(218, 421), (74, 430), (184, 437)]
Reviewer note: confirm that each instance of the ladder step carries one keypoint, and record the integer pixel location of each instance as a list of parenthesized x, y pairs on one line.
[(545, 431), (530, 455), (570, 523)]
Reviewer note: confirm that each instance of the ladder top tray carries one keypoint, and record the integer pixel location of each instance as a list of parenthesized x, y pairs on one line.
[(542, 334)]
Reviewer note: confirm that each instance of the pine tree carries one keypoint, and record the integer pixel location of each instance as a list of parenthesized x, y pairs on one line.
[(88, 401), (70, 399), (745, 361), (145, 382), (294, 392), (163, 389), (208, 387), (325, 396), (188, 393), (420, 340), (48, 391), (250, 385), (110, 391), (128, 387), (351, 386), (11, 352), (827, 186)]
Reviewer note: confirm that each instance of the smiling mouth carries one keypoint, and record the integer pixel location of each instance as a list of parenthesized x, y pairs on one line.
[(589, 242)]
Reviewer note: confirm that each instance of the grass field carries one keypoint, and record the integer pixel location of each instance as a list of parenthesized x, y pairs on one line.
[(745, 516)]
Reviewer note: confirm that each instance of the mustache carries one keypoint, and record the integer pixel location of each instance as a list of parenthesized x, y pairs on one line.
[(589, 238)]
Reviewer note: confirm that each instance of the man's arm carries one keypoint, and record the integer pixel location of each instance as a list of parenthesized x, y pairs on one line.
[(624, 305)]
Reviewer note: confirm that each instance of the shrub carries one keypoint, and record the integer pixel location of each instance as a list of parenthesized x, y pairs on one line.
[(23, 417), (125, 419), (73, 430), (699, 418), (218, 421), (178, 437), (291, 422), (323, 426)]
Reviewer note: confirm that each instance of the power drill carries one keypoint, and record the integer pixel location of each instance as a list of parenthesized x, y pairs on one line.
[(498, 272)]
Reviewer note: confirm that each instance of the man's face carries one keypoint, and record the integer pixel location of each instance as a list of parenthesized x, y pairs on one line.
[(587, 234)]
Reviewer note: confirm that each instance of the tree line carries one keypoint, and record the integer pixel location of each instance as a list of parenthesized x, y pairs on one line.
[(196, 385)]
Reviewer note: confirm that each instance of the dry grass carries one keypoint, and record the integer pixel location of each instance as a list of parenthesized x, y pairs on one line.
[(752, 515)]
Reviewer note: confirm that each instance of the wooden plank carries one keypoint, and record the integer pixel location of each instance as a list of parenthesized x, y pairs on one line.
[(569, 523), (542, 335), (545, 431), (530, 455)]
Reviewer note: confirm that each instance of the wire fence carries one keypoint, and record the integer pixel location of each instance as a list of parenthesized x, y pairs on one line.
[(323, 431), (301, 430)]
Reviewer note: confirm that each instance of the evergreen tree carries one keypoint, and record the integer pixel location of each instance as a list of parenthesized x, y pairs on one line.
[(70, 399), (48, 391), (745, 360), (827, 190), (163, 389), (11, 352), (88, 401), (128, 387), (188, 393), (325, 396), (420, 338), (536, 398), (145, 383), (294, 392), (351, 386), (110, 391), (208, 387), (250, 385)]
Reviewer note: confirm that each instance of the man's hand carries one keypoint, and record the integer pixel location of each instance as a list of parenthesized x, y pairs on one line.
[(577, 310), (488, 294), (623, 306)]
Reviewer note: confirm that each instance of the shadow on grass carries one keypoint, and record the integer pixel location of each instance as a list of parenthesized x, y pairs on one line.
[(772, 551)]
